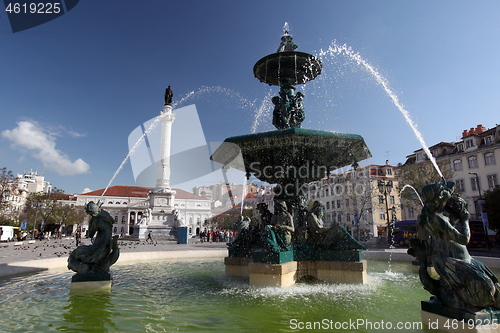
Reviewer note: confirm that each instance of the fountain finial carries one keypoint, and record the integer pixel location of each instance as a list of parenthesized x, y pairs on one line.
[(286, 45), (286, 28)]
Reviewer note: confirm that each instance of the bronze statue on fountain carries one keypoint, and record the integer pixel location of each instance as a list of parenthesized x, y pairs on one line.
[(92, 262), (466, 289)]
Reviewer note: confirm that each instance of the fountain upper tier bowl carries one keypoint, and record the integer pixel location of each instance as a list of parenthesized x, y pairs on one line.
[(287, 68), (297, 154)]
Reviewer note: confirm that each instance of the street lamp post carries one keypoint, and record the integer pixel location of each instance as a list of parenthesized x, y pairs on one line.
[(385, 187)]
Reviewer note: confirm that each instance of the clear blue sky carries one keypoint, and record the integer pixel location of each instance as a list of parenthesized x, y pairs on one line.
[(74, 88)]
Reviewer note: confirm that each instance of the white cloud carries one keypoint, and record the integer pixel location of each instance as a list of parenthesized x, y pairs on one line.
[(86, 190), (41, 143)]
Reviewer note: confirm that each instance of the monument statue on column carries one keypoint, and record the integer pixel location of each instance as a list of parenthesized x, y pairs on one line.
[(168, 96), (161, 221)]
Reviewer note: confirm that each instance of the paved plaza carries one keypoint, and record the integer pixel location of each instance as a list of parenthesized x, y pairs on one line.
[(36, 255)]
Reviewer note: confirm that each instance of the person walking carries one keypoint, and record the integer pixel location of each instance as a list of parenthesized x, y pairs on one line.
[(78, 237), (150, 237)]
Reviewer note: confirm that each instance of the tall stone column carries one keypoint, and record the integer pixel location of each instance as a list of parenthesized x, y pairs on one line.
[(161, 217), (163, 175)]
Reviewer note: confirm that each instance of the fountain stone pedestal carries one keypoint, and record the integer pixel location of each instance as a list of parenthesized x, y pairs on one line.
[(286, 274), (272, 275), (89, 282)]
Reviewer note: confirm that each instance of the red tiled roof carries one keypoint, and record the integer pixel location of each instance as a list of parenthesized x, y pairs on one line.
[(141, 192)]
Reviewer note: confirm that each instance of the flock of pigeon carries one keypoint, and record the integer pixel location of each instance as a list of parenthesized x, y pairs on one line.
[(50, 248)]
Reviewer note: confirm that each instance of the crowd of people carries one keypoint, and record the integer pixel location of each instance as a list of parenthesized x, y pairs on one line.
[(217, 235)]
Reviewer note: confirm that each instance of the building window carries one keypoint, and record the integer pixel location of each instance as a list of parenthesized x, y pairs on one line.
[(382, 215), (489, 159), (380, 199), (435, 153), (472, 161), (457, 165), (474, 181), (411, 211), (488, 140), (328, 205), (392, 200), (460, 147), (492, 180), (469, 143), (459, 185), (419, 156), (338, 203), (348, 216), (347, 202), (388, 171)]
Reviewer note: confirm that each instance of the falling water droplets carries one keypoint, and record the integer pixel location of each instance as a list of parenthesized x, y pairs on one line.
[(336, 49)]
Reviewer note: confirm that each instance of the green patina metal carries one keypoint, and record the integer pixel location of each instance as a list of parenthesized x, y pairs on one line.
[(304, 155), (272, 257), (290, 68)]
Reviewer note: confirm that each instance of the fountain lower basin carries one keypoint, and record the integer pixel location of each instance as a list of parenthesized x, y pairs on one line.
[(196, 296)]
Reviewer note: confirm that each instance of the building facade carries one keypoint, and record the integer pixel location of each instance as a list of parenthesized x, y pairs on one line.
[(471, 163), (353, 199), (130, 205), (18, 189)]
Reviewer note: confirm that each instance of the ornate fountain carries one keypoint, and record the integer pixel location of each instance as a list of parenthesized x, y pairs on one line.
[(292, 243)]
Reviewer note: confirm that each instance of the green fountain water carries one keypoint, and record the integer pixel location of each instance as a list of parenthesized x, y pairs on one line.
[(196, 296)]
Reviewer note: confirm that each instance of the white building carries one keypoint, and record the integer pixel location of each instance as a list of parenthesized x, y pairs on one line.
[(130, 205), (18, 190), (32, 183)]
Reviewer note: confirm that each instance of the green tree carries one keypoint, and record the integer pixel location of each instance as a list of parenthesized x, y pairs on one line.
[(42, 206), (419, 174), (492, 198), (6, 178)]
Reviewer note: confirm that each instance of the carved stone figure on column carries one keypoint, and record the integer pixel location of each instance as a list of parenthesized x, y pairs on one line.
[(92, 262), (443, 228), (278, 235), (334, 237), (241, 246), (265, 215), (281, 120)]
